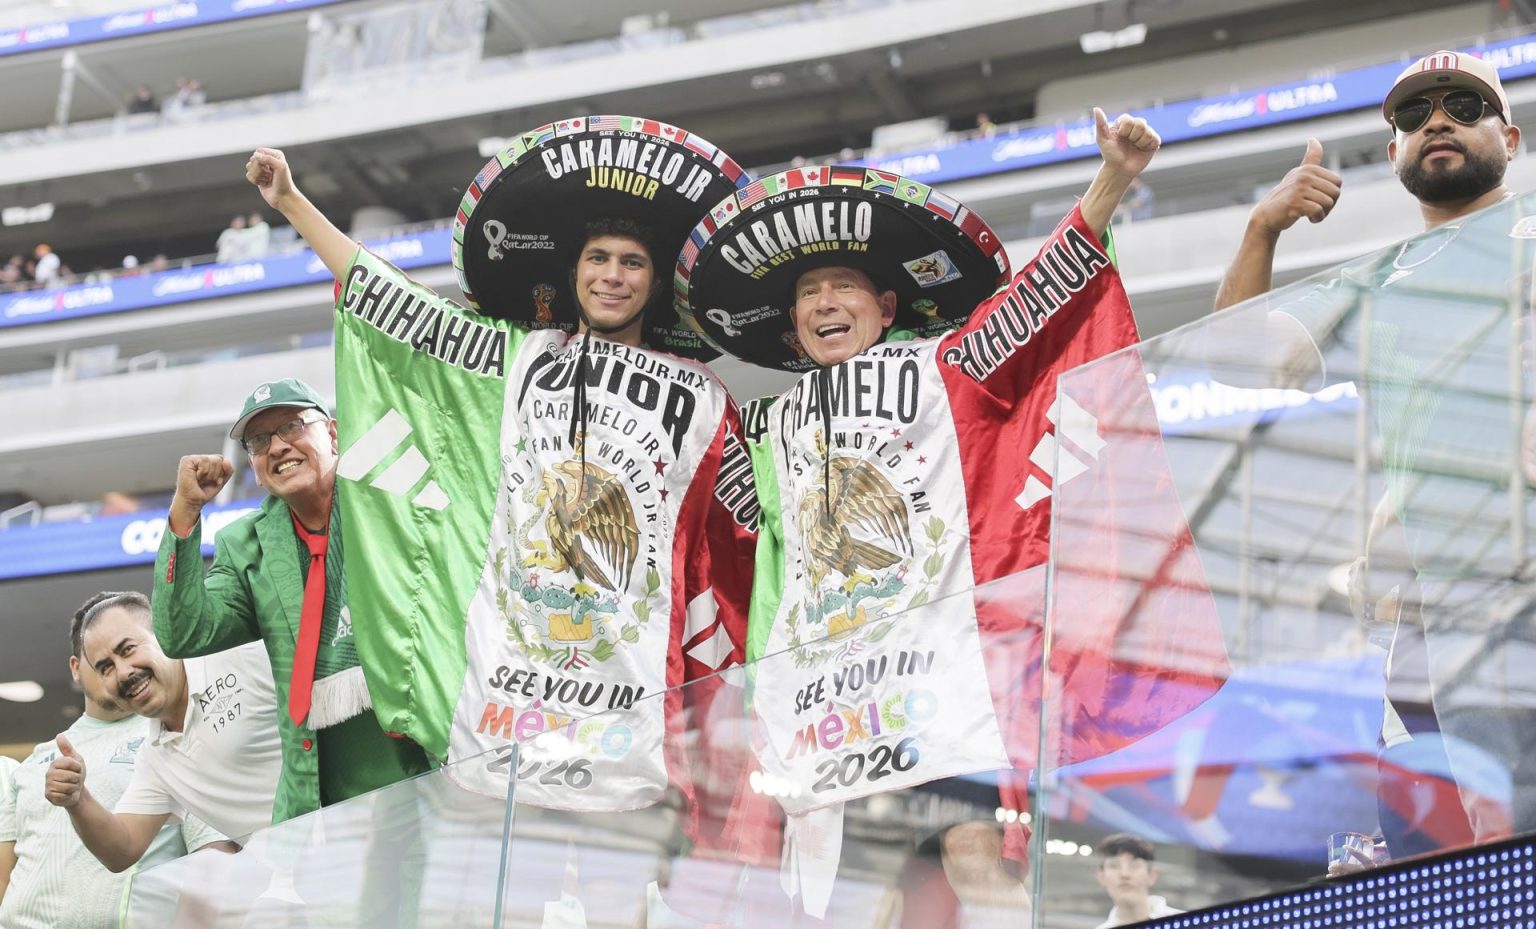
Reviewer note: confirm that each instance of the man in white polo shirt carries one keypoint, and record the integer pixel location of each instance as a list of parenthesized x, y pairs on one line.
[(212, 751), (48, 880)]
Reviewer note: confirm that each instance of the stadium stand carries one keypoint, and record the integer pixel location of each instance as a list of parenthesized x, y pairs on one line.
[(118, 368)]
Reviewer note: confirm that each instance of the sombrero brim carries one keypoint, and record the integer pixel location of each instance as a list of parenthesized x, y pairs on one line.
[(735, 278), (522, 220)]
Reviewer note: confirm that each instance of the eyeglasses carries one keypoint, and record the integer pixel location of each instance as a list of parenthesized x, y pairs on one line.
[(1464, 106), (259, 443)]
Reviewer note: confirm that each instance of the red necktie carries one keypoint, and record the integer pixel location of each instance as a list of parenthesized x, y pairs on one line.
[(302, 680)]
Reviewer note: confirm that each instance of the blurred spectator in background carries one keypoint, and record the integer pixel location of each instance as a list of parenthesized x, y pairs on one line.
[(985, 125), (258, 237), (130, 266), (11, 273), (189, 96), (1137, 203), (231, 243), (47, 269), (143, 101), (117, 503), (1127, 871), (158, 263)]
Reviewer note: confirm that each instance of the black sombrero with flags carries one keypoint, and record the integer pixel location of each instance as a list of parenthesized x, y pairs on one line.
[(522, 220), (735, 278)]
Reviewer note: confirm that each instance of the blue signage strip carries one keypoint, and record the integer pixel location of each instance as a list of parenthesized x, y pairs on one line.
[(166, 287), (112, 542), (158, 17), (1356, 89)]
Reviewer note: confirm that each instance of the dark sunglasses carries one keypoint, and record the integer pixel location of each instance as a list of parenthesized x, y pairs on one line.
[(1464, 106)]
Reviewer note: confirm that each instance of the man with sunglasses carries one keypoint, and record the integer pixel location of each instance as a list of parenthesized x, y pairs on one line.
[(1453, 137), (277, 577), (1441, 373)]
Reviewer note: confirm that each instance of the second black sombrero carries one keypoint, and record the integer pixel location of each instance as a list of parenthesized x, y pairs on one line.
[(522, 219), (737, 272)]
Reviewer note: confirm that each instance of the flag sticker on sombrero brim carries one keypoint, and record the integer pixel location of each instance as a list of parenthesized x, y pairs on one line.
[(881, 181), (805, 177), (571, 126), (942, 205), (488, 173), (912, 191), (728, 166), (754, 192), (847, 177), (537, 136), (701, 146), (723, 211)]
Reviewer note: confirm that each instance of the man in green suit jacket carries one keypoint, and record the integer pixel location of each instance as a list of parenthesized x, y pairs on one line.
[(277, 576)]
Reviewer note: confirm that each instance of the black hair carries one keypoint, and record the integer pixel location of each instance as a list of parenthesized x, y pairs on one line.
[(79, 619), (619, 226), (1123, 843), (92, 609)]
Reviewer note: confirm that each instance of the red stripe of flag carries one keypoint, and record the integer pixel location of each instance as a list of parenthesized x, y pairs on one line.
[(696, 144), (728, 167), (848, 176)]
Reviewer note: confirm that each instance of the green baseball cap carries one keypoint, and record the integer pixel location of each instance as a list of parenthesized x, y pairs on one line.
[(290, 391)]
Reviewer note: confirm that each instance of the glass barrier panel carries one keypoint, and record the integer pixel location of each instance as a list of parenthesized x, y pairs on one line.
[(424, 852), (877, 776), (1331, 484)]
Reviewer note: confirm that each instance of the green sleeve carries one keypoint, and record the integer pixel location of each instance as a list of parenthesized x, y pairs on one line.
[(420, 388), (198, 612), (768, 570)]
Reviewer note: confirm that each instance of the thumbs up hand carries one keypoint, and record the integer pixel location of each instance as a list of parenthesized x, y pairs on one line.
[(65, 781), (1309, 190)]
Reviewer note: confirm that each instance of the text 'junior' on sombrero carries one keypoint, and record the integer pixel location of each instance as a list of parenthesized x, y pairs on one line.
[(522, 220), (735, 278)]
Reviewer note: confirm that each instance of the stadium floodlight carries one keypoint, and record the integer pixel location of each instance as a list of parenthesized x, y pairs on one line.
[(1103, 40), (22, 215), (21, 691)]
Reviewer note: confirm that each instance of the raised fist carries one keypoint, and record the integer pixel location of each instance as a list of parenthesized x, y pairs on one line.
[(199, 478), (268, 170)]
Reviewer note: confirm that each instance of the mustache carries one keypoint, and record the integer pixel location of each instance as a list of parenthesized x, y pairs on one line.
[(1442, 144), (126, 686)]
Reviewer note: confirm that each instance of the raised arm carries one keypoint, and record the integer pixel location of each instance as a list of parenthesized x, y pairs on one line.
[(196, 611), (1309, 190), (268, 170), (117, 841), (1127, 146)]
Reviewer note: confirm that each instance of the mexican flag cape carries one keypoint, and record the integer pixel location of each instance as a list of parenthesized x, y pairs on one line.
[(510, 585)]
